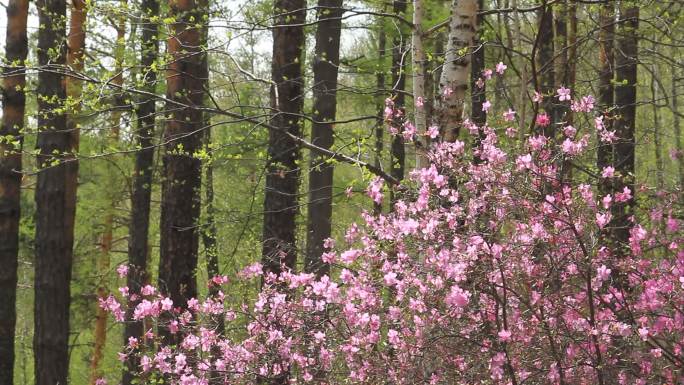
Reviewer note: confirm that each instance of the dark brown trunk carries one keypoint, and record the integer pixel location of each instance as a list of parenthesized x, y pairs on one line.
[(625, 100), (13, 104), (545, 67), (380, 103), (398, 152), (142, 178), (604, 153), (180, 200), (55, 202), (287, 100), (326, 63), (478, 94)]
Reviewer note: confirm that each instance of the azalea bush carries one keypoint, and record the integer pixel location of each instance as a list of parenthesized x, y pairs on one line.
[(493, 267)]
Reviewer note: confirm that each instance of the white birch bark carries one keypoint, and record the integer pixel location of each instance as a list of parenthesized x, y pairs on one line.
[(456, 72), (418, 66)]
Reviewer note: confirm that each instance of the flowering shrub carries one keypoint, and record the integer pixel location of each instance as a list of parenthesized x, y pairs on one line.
[(489, 269)]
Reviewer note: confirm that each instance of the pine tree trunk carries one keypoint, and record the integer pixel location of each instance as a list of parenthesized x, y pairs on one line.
[(282, 179), (604, 154), (142, 178), (326, 63), (180, 201), (55, 202), (455, 74), (657, 139), (625, 100), (14, 102)]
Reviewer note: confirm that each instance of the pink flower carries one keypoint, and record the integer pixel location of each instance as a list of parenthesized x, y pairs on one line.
[(504, 335), (543, 120), (409, 131), (420, 102), (101, 381), (537, 97), (608, 172), (509, 115), (457, 297), (487, 74), (374, 190), (500, 68), (433, 132), (480, 83), (569, 131), (563, 93), (486, 106), (122, 270), (603, 273)]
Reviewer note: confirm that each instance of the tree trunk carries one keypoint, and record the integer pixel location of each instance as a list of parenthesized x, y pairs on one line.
[(380, 104), (477, 94), (142, 177), (180, 203), (326, 63), (625, 100), (287, 101), (657, 140), (545, 67), (14, 102), (397, 150), (455, 74), (677, 130), (418, 67), (604, 153), (55, 202)]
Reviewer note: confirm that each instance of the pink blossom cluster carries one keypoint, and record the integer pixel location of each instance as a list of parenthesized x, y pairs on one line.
[(488, 269)]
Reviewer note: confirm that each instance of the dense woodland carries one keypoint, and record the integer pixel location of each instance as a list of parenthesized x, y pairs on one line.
[(174, 143)]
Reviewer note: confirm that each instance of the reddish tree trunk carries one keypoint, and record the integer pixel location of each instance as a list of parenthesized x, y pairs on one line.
[(14, 102), (180, 205), (55, 202)]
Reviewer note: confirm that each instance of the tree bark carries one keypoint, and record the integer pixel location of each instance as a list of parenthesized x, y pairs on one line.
[(55, 198), (604, 153), (455, 74), (14, 103), (477, 94), (677, 130), (380, 103), (180, 201), (397, 150), (282, 178), (625, 100), (545, 67), (418, 67), (142, 177), (326, 63)]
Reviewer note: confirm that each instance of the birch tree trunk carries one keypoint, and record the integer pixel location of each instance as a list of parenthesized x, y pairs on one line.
[(418, 67), (456, 72)]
